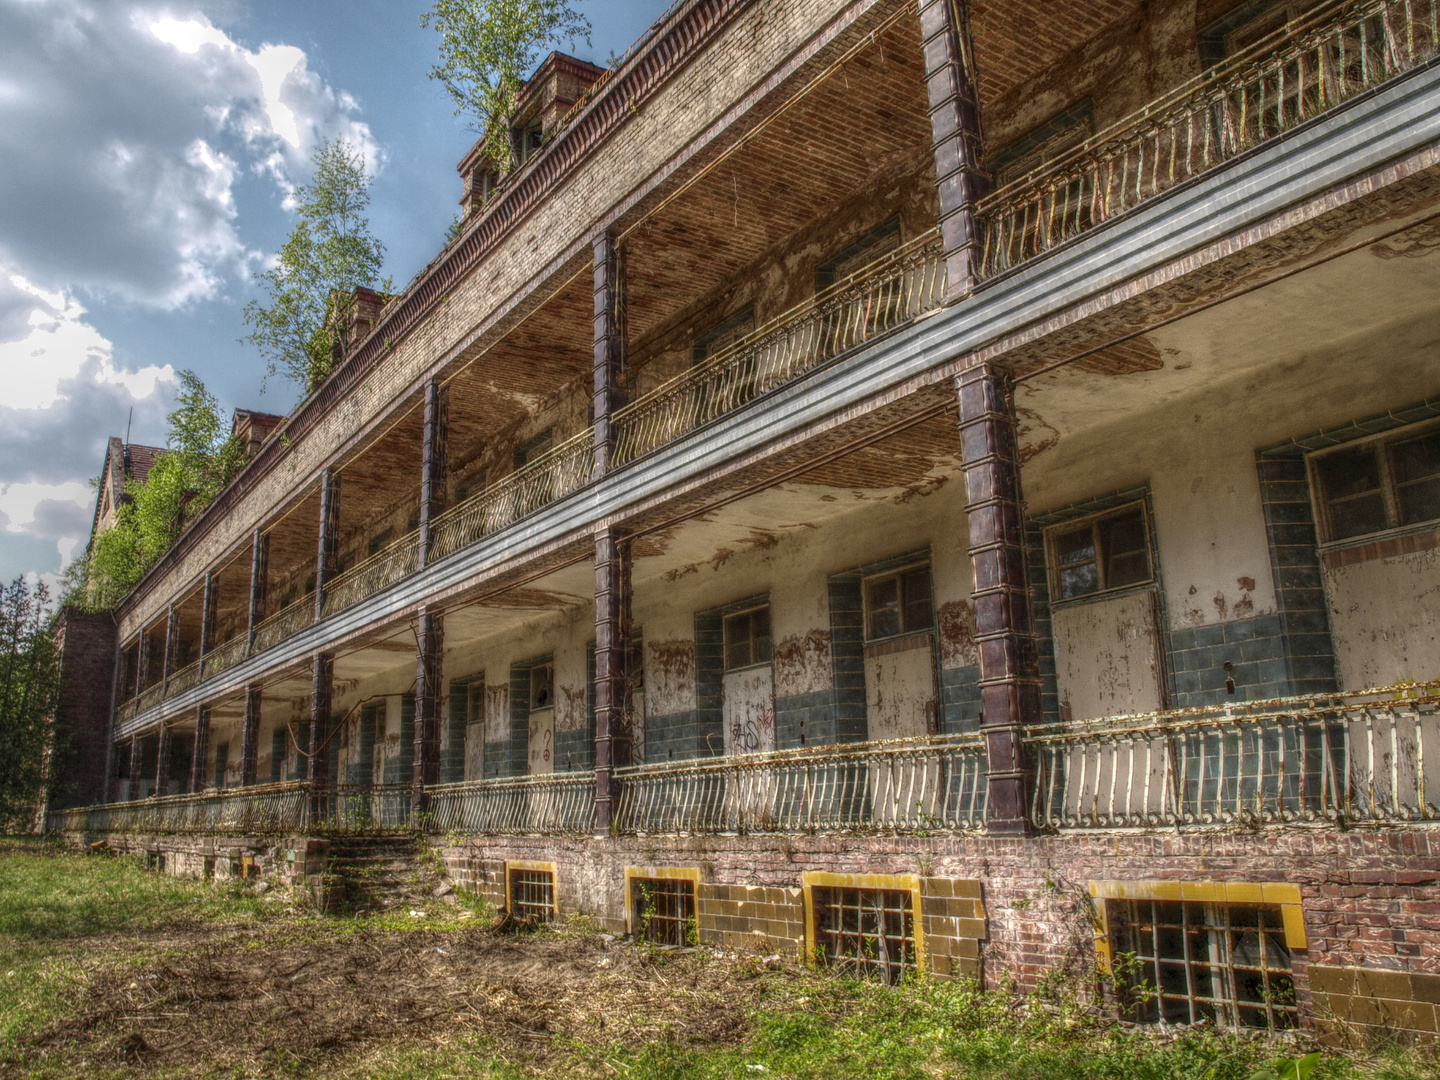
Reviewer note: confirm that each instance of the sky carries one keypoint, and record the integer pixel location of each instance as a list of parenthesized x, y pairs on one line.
[(147, 154)]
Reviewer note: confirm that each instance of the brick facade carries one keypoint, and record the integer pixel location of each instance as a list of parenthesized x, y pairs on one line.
[(82, 722)]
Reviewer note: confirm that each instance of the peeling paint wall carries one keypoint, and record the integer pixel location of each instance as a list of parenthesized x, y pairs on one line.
[(1108, 657), (749, 708), (1385, 615), (900, 691)]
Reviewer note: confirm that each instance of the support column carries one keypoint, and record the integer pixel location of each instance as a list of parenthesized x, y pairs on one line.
[(207, 615), (172, 644), (162, 761), (429, 634), (612, 649), (202, 746), (432, 463), (135, 766), (610, 392), (259, 566), (317, 765), (250, 736), (955, 126), (1009, 675), (327, 556), (142, 664)]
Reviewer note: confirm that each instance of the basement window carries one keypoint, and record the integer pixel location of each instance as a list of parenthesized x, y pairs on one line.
[(1382, 484), (747, 639), (662, 910), (865, 932), (530, 891), (898, 603), (1185, 962), (1101, 553)]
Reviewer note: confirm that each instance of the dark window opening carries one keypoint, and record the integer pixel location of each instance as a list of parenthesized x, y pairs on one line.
[(664, 910), (866, 932), (747, 639), (378, 542), (1061, 133), (1383, 484), (1110, 551), (898, 603), (471, 485), (532, 895), (542, 686), (1188, 962), (724, 334), (875, 244), (222, 760), (535, 447)]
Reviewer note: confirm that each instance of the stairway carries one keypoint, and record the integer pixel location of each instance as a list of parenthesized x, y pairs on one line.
[(383, 871)]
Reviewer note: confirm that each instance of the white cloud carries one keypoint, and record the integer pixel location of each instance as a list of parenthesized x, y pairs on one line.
[(125, 128)]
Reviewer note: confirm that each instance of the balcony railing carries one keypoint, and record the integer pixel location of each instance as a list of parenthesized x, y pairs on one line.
[(285, 623), (899, 287), (183, 680), (1349, 758), (365, 808), (127, 709), (912, 786), (375, 574), (1314, 63), (557, 803), (262, 809), (555, 474), (224, 656), (149, 697)]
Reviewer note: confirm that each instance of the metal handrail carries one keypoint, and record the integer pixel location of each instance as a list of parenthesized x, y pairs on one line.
[(914, 785), (261, 808), (1328, 56), (225, 656), (285, 623), (387, 566), (553, 803), (182, 680)]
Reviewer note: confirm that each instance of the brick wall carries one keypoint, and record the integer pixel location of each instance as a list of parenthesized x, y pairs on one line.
[(82, 720)]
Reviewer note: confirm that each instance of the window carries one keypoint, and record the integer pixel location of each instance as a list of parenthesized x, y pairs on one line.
[(473, 484), (378, 542), (535, 447), (747, 639), (866, 932), (475, 701), (1383, 484), (222, 759), (1108, 551), (1045, 143), (663, 910), (1185, 962), (858, 255), (528, 142), (542, 686), (898, 603), (724, 334), (530, 890)]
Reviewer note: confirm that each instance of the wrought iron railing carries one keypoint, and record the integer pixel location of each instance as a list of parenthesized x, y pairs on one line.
[(126, 710), (893, 290), (183, 679), (555, 474), (265, 808), (224, 656), (366, 808), (911, 785), (1311, 65), (558, 803), (149, 697), (377, 573), (285, 623), (1351, 758)]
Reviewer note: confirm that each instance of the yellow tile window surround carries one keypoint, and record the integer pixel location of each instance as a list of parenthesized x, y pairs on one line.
[(1283, 895), (664, 873), (512, 865), (821, 879)]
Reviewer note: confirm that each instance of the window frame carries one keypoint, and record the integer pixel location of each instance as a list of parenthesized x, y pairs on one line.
[(727, 620), (811, 880), (525, 868), (638, 878), (898, 574), (1052, 563), (1320, 505), (547, 667)]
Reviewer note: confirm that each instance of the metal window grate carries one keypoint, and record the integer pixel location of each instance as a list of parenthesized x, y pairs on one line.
[(1187, 962), (664, 910), (532, 895), (870, 932)]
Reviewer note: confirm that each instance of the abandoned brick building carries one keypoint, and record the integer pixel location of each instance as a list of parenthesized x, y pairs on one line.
[(934, 485)]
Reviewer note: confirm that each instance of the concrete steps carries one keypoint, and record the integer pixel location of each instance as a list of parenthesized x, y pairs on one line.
[(381, 872)]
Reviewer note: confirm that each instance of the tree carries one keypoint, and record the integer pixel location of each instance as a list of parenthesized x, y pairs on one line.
[(329, 252), (198, 462), (487, 50), (29, 694)]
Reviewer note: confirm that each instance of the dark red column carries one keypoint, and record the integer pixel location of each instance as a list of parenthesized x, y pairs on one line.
[(429, 634), (432, 463), (610, 393), (955, 126), (327, 553), (317, 765), (202, 744), (162, 761), (1009, 678), (259, 566), (250, 736), (612, 649)]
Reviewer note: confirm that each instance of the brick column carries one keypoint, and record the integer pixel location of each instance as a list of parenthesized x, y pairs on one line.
[(432, 463), (202, 744), (955, 125), (172, 644), (328, 551), (1009, 677), (610, 393), (135, 766), (162, 761), (250, 736), (429, 635), (259, 566), (142, 663), (116, 679), (207, 614), (317, 765), (612, 648)]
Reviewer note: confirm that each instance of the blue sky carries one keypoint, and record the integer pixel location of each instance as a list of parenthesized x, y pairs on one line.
[(149, 146)]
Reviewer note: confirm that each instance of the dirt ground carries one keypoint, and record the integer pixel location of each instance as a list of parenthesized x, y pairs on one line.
[(301, 993)]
